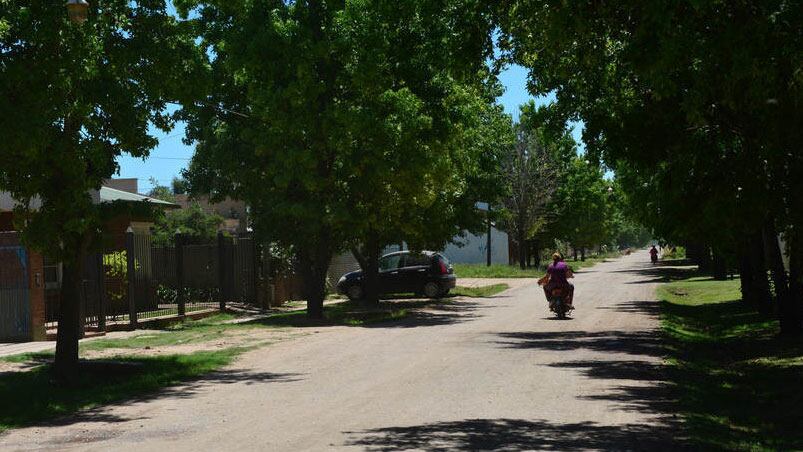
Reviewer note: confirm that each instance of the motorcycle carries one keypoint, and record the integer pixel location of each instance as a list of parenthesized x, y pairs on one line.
[(558, 304), (654, 258)]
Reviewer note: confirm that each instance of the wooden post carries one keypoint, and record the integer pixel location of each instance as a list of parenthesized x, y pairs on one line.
[(180, 298), (260, 299), (130, 269), (221, 270)]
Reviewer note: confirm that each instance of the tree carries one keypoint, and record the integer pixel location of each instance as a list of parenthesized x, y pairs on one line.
[(193, 223), (582, 204), (707, 92), (533, 170), (430, 203), (97, 88), (333, 108), (179, 186), (161, 192)]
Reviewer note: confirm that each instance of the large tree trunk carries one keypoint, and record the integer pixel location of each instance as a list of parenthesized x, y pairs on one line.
[(762, 297), (70, 322), (795, 281), (314, 262), (704, 260), (746, 276), (368, 258), (582, 253), (536, 254), (522, 248), (719, 266)]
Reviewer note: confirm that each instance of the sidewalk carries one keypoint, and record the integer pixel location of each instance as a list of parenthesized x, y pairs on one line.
[(43, 346)]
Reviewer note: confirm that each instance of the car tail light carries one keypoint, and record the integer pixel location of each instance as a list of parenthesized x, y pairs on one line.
[(443, 267)]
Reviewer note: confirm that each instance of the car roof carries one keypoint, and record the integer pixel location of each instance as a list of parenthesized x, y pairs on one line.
[(399, 253)]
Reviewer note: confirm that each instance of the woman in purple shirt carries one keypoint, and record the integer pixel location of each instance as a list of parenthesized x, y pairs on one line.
[(557, 275)]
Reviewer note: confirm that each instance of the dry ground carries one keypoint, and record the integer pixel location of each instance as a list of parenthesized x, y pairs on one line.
[(497, 373)]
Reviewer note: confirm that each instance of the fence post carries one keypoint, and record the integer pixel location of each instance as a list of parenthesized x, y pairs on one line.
[(256, 250), (180, 298), (130, 269), (101, 292), (221, 270)]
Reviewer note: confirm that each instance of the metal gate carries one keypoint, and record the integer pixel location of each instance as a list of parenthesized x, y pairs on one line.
[(15, 307)]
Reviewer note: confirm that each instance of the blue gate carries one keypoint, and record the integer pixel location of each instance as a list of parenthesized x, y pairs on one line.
[(15, 306)]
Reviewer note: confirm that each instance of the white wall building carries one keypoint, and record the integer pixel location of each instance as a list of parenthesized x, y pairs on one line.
[(473, 249)]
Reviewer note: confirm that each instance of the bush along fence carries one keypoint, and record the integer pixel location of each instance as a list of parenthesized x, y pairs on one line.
[(134, 281)]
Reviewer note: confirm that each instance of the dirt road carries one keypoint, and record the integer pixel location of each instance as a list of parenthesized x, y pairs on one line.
[(495, 373)]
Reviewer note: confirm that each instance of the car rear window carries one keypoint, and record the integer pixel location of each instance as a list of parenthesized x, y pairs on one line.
[(416, 260)]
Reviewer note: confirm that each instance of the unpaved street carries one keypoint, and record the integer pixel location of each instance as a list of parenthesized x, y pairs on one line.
[(496, 373)]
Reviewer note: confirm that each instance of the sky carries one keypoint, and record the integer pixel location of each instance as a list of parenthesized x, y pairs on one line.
[(171, 155)]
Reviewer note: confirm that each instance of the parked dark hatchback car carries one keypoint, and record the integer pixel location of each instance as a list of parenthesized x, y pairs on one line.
[(424, 273)]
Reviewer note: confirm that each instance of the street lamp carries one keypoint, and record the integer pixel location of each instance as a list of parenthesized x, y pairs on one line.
[(77, 10)]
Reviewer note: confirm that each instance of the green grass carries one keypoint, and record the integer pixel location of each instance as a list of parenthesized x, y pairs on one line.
[(480, 292), (738, 382), (514, 271), (26, 357), (494, 271), (186, 332), (33, 396), (345, 313)]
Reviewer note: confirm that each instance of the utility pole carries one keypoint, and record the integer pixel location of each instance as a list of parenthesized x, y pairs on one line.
[(488, 245)]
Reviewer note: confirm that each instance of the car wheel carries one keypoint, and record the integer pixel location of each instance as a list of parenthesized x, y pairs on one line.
[(432, 290), (444, 292), (355, 292)]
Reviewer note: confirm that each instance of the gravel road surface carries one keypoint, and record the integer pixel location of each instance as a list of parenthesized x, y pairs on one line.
[(481, 374)]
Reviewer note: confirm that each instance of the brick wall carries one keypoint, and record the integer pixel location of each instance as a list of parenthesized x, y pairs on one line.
[(36, 281)]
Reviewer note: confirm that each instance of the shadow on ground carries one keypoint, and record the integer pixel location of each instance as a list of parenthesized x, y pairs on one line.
[(514, 435), (633, 359), (34, 397), (661, 273), (739, 381), (396, 313)]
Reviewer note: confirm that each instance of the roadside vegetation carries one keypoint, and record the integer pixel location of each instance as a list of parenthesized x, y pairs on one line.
[(514, 271), (737, 379)]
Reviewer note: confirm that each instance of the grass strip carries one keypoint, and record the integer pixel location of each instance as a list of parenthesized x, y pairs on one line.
[(514, 271), (739, 382), (480, 292)]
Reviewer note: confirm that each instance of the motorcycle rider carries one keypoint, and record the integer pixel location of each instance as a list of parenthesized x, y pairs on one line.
[(654, 254), (557, 275)]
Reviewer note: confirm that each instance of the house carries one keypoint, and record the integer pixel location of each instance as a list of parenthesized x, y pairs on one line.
[(473, 249), (30, 283)]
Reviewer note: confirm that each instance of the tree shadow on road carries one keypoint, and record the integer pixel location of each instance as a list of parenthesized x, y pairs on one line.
[(398, 313), (646, 343), (631, 360), (33, 397), (515, 434), (660, 274)]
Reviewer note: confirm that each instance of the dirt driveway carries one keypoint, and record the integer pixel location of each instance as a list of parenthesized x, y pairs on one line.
[(497, 373)]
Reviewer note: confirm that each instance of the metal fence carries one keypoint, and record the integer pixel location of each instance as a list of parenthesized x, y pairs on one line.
[(15, 313), (134, 280)]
